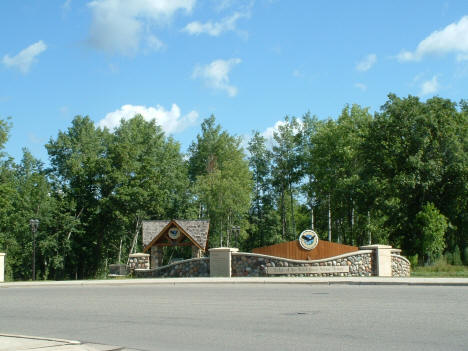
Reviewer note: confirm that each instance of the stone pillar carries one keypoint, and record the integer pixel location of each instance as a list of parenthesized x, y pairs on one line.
[(139, 261), (382, 260), (156, 256), (196, 252), (220, 261), (2, 267)]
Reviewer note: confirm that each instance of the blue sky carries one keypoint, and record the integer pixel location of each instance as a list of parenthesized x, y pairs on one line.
[(250, 63)]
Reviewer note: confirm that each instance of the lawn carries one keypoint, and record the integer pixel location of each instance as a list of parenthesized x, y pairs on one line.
[(440, 270)]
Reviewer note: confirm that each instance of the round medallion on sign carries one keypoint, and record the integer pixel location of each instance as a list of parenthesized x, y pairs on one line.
[(173, 233), (308, 239)]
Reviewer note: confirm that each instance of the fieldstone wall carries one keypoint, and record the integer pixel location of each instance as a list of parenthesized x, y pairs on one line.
[(255, 265), (362, 263), (138, 261), (196, 267), (400, 266)]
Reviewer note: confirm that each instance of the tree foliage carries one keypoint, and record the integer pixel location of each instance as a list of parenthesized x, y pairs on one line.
[(222, 181)]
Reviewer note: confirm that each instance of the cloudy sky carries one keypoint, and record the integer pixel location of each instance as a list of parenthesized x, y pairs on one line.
[(248, 62)]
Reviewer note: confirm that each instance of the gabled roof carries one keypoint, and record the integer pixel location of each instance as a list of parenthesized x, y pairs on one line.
[(195, 230)]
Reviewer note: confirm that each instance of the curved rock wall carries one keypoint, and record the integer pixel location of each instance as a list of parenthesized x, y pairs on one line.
[(357, 264), (400, 266), (196, 267), (255, 265)]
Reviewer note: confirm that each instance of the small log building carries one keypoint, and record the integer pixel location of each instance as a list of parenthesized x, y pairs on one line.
[(175, 232)]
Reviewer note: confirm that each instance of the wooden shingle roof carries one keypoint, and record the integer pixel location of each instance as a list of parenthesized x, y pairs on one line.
[(197, 230)]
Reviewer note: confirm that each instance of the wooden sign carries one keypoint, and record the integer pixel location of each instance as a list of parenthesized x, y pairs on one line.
[(307, 270)]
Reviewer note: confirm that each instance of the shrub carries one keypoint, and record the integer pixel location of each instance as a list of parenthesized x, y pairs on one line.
[(448, 257), (456, 257), (431, 226), (413, 260)]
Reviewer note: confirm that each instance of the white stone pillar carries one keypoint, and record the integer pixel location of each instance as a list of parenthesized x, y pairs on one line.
[(2, 267), (220, 261), (382, 260)]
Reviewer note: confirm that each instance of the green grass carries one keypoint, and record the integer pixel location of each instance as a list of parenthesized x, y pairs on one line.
[(440, 269)]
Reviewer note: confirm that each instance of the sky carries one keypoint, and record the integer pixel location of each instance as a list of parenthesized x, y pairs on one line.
[(248, 62)]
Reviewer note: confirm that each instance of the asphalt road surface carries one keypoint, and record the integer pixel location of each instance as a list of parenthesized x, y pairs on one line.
[(243, 317)]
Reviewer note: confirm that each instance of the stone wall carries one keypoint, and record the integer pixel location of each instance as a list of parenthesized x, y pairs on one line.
[(372, 260), (400, 266), (138, 261), (255, 265), (195, 267)]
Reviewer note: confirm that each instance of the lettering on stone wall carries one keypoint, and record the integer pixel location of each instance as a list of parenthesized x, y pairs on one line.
[(307, 270)]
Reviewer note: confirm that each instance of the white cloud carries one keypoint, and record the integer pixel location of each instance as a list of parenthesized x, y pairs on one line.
[(429, 87), (216, 74), (119, 25), (153, 43), (221, 5), (25, 58), (171, 120), (367, 63), (270, 131), (361, 86), (453, 38), (214, 28)]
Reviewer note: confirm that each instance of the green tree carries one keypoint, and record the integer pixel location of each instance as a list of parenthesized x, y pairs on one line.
[(263, 217), (432, 226), (149, 180), (287, 171), (8, 243), (5, 127), (222, 180), (415, 154), (80, 166)]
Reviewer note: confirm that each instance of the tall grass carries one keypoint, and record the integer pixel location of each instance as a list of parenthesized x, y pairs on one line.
[(440, 268)]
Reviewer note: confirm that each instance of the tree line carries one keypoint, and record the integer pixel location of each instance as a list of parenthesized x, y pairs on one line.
[(398, 176)]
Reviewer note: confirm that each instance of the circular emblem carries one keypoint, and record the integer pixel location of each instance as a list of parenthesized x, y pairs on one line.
[(308, 239), (173, 233)]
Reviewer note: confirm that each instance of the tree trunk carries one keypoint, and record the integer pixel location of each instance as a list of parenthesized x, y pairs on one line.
[(368, 228), (312, 217), (293, 221), (135, 237), (283, 215), (120, 250)]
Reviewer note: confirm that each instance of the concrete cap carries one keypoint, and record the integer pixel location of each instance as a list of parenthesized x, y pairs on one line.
[(231, 249), (139, 255), (375, 247)]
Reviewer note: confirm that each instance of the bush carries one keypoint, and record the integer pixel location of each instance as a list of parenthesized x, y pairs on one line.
[(413, 260), (448, 257), (456, 257), (431, 226), (465, 254)]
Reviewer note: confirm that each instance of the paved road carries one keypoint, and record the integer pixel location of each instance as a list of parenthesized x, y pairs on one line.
[(243, 317)]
